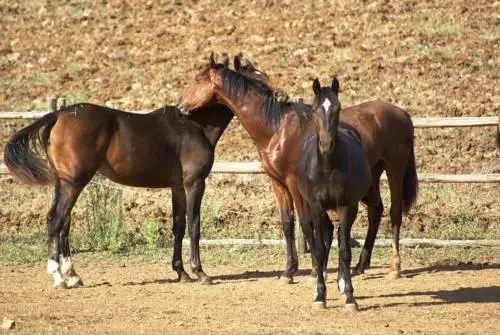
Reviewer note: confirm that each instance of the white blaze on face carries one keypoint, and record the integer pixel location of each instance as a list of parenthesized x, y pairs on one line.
[(326, 105)]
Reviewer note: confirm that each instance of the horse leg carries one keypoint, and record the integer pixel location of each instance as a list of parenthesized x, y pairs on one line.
[(194, 194), (375, 211), (70, 276), (306, 224), (179, 217), (285, 203), (65, 196), (328, 238), (319, 249), (396, 213), (347, 215)]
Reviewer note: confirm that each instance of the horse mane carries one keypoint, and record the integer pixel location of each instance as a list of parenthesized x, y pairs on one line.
[(236, 85)]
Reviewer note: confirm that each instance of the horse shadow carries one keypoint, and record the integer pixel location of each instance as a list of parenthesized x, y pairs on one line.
[(489, 294), (410, 273), (305, 273), (255, 275)]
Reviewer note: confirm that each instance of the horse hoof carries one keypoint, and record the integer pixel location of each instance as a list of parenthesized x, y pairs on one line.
[(394, 275), (285, 280), (351, 307), (58, 286), (357, 272), (205, 281), (184, 278), (319, 305), (74, 282)]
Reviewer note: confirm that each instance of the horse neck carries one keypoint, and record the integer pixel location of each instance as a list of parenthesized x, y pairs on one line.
[(214, 120), (248, 109)]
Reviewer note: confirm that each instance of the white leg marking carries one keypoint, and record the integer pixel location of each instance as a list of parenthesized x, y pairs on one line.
[(342, 285), (53, 269), (52, 266), (66, 264)]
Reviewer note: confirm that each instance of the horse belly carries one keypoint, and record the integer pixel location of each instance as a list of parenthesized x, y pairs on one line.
[(152, 166), (147, 176)]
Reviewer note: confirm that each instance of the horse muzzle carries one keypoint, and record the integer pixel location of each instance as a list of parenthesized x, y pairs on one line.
[(183, 109), (325, 146)]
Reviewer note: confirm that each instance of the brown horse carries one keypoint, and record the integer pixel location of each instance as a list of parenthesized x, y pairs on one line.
[(160, 149), (278, 132), (387, 136)]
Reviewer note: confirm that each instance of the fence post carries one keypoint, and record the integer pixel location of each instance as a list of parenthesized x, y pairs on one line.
[(61, 103), (51, 107), (52, 104), (300, 241)]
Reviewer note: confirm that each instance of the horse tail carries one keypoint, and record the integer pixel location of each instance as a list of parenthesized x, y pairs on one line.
[(22, 156), (410, 182)]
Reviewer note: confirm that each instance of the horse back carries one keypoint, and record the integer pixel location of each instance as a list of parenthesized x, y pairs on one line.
[(385, 129)]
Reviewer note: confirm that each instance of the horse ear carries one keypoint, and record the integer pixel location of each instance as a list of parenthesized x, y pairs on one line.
[(211, 60), (316, 86), (249, 65), (237, 63), (225, 59), (335, 86)]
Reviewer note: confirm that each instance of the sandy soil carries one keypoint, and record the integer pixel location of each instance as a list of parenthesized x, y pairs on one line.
[(133, 297)]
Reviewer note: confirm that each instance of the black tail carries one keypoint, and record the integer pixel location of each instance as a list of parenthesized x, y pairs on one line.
[(410, 183), (22, 157)]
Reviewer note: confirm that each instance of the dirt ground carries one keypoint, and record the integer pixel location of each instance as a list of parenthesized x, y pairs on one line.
[(140, 297), (434, 58)]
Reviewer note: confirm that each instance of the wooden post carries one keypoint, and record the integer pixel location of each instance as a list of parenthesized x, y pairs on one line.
[(61, 103), (300, 240), (52, 104), (51, 107)]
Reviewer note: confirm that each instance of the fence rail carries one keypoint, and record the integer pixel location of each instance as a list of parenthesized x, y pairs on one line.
[(418, 122), (255, 168), (409, 242)]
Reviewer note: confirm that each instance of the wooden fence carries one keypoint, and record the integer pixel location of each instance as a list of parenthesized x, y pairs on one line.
[(255, 167)]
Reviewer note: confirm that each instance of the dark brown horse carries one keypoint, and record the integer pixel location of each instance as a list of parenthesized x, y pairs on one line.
[(159, 149), (387, 136), (333, 174)]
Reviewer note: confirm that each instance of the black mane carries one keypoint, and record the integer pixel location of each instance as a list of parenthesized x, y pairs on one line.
[(236, 85)]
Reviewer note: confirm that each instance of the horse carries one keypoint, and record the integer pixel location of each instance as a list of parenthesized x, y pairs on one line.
[(387, 135), (276, 129), (334, 174), (160, 149)]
